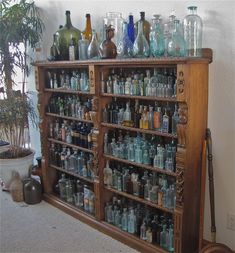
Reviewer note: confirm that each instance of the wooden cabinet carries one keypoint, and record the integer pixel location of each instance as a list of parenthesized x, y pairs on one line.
[(191, 98)]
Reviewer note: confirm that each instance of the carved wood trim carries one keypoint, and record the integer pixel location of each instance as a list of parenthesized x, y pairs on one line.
[(182, 125), (177, 232)]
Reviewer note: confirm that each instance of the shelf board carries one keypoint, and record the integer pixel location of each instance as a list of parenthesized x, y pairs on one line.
[(148, 167), (154, 98), (154, 247), (71, 145), (68, 117), (146, 131), (76, 92), (72, 174), (141, 200)]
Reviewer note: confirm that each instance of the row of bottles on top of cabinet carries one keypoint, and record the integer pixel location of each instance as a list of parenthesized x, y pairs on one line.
[(76, 193), (162, 118), (141, 221), (154, 187), (77, 80), (77, 133), (71, 106), (160, 83), (142, 149), (72, 160)]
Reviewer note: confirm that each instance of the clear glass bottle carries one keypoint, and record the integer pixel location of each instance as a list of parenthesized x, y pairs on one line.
[(175, 121), (176, 44), (140, 46), (125, 46), (143, 230), (69, 192), (127, 116), (54, 50), (93, 48), (62, 186), (193, 32), (150, 118), (83, 45), (115, 20), (108, 175), (131, 221), (72, 49), (163, 237)]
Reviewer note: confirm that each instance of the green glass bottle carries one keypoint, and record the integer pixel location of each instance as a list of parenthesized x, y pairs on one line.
[(64, 38)]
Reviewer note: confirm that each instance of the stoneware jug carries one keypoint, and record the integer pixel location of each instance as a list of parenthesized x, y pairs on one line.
[(32, 191)]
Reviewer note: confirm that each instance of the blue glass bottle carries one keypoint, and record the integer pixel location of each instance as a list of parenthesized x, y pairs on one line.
[(124, 219), (131, 28)]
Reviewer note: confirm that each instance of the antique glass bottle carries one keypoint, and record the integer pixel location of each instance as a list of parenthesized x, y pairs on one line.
[(88, 30), (176, 44), (124, 219), (175, 120), (64, 37), (72, 49), (140, 46), (165, 122), (69, 192), (83, 45), (143, 230), (131, 221), (108, 49), (62, 187), (193, 32), (108, 175), (54, 50), (156, 37), (163, 237), (131, 28), (146, 26), (125, 46), (93, 48)]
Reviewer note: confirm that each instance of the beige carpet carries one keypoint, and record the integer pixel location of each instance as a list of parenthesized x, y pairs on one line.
[(43, 228)]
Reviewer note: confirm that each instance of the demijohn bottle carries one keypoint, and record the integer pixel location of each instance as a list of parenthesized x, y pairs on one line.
[(64, 38)]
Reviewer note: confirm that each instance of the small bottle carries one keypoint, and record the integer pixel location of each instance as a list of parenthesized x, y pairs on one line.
[(69, 192), (163, 237), (143, 231), (124, 219), (131, 222), (150, 118), (175, 120), (71, 49), (165, 122), (131, 28), (108, 175), (93, 48)]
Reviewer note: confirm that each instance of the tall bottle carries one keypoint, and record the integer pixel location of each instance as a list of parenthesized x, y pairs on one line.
[(176, 44), (93, 48), (146, 25), (108, 49), (83, 45), (193, 32), (131, 28), (125, 46), (141, 46), (88, 30), (64, 38)]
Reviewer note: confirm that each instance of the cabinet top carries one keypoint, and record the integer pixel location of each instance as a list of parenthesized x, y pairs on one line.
[(206, 58)]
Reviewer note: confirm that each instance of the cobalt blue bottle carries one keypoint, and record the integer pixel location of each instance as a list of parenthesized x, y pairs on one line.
[(131, 28)]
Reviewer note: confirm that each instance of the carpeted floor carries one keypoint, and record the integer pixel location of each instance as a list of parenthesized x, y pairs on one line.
[(43, 228)]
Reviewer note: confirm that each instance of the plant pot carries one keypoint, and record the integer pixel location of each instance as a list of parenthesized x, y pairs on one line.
[(20, 165)]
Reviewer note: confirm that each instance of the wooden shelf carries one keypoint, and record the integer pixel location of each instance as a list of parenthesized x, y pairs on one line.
[(141, 200), (75, 92), (71, 145), (146, 131), (147, 167), (72, 174), (68, 117), (139, 97), (157, 249)]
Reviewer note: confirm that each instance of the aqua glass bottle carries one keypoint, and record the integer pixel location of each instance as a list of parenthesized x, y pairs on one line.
[(141, 45), (192, 25), (157, 43), (131, 222), (176, 44), (82, 48), (163, 237), (125, 46), (62, 186), (124, 219), (131, 28), (93, 48), (64, 38)]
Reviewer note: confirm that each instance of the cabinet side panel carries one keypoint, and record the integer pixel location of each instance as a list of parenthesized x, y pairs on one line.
[(197, 102)]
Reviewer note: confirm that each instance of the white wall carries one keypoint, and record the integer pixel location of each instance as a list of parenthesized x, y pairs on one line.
[(219, 19)]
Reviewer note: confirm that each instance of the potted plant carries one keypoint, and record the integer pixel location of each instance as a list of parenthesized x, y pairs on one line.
[(21, 28)]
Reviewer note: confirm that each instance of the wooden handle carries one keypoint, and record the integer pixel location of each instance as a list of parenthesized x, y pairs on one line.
[(211, 184)]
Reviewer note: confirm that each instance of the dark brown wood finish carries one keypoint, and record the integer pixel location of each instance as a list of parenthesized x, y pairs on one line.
[(192, 98)]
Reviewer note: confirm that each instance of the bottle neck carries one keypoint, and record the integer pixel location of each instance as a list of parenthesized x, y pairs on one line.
[(68, 20), (140, 27), (88, 23)]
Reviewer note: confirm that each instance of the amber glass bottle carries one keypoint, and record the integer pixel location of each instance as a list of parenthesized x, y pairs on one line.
[(146, 26), (88, 30)]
